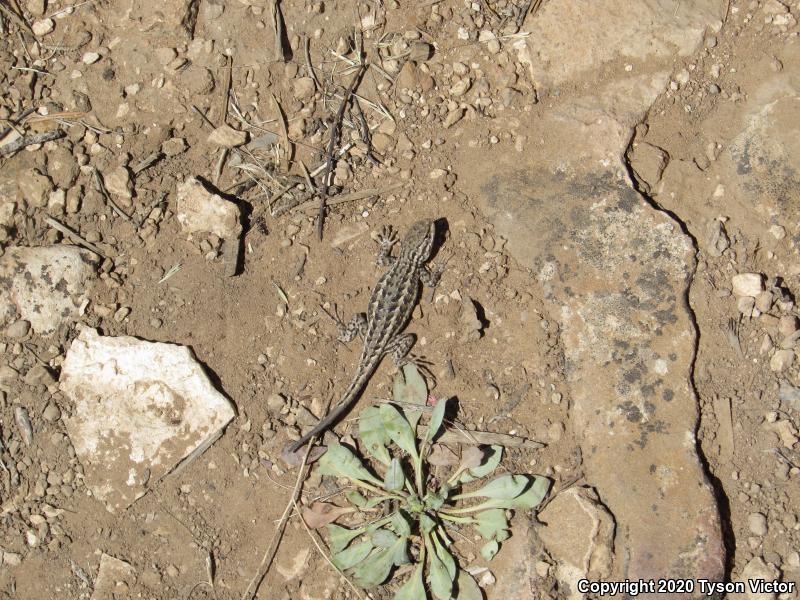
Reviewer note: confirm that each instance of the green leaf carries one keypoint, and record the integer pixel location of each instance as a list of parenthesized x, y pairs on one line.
[(433, 500), (341, 462), (414, 588), (436, 419), (426, 523), (467, 588), (350, 557), (395, 479), (373, 434), (399, 429), (410, 387), (400, 524), (493, 456), (438, 577), (373, 501), (533, 495), (504, 487), (355, 498), (383, 538), (374, 569), (491, 522), (490, 549), (444, 555), (341, 536)]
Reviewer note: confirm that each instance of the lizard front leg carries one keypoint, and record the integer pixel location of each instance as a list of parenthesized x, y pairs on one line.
[(386, 238)]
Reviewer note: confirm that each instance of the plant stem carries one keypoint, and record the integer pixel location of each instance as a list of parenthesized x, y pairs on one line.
[(448, 517)]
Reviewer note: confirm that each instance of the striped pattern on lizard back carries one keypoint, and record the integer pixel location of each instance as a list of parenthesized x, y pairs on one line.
[(390, 306)]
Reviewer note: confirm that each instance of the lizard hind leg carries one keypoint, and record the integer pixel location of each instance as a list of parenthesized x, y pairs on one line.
[(347, 331), (356, 326), (400, 350)]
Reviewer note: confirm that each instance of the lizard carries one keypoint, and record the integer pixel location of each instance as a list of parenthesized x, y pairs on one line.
[(389, 310)]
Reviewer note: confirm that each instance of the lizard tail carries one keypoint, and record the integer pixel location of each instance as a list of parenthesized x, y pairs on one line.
[(351, 394)]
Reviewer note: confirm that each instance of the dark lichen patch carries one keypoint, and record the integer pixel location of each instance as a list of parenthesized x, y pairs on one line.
[(631, 411), (667, 395)]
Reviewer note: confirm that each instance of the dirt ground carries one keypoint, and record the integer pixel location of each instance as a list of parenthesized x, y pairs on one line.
[(128, 79)]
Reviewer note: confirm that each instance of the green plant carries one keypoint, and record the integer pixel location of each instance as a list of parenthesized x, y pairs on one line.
[(418, 509)]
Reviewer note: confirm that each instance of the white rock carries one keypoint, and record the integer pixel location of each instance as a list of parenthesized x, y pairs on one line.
[(118, 182), (227, 137), (748, 284), (139, 410), (202, 211), (110, 575), (90, 58), (303, 88), (43, 27), (781, 360), (757, 569), (44, 285), (757, 523)]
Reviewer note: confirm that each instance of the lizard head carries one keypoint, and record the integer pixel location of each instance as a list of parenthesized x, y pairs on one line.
[(418, 242)]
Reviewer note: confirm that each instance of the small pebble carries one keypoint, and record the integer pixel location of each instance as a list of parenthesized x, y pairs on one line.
[(748, 284), (90, 58), (18, 329), (51, 413), (757, 523), (43, 27)]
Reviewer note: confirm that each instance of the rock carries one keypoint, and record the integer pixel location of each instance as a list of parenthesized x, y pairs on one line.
[(23, 422), (717, 239), (648, 163), (304, 88), (567, 39), (139, 409), (44, 285), (89, 58), (228, 137), (789, 395), (39, 375), (757, 524), (412, 77), (472, 327), (296, 567), (112, 574), (748, 284), (197, 80), (118, 182), (578, 532), (453, 117), (165, 55), (745, 305), (34, 188), (62, 167), (36, 7), (460, 87), (202, 211), (51, 413), (420, 51), (18, 329), (788, 324), (754, 570), (174, 146), (382, 142), (781, 360), (764, 301), (43, 27)]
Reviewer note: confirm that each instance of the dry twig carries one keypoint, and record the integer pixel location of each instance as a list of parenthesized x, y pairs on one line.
[(334, 140), (30, 140)]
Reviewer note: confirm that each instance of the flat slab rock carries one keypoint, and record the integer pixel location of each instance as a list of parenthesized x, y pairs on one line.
[(616, 271), (139, 410), (44, 285)]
